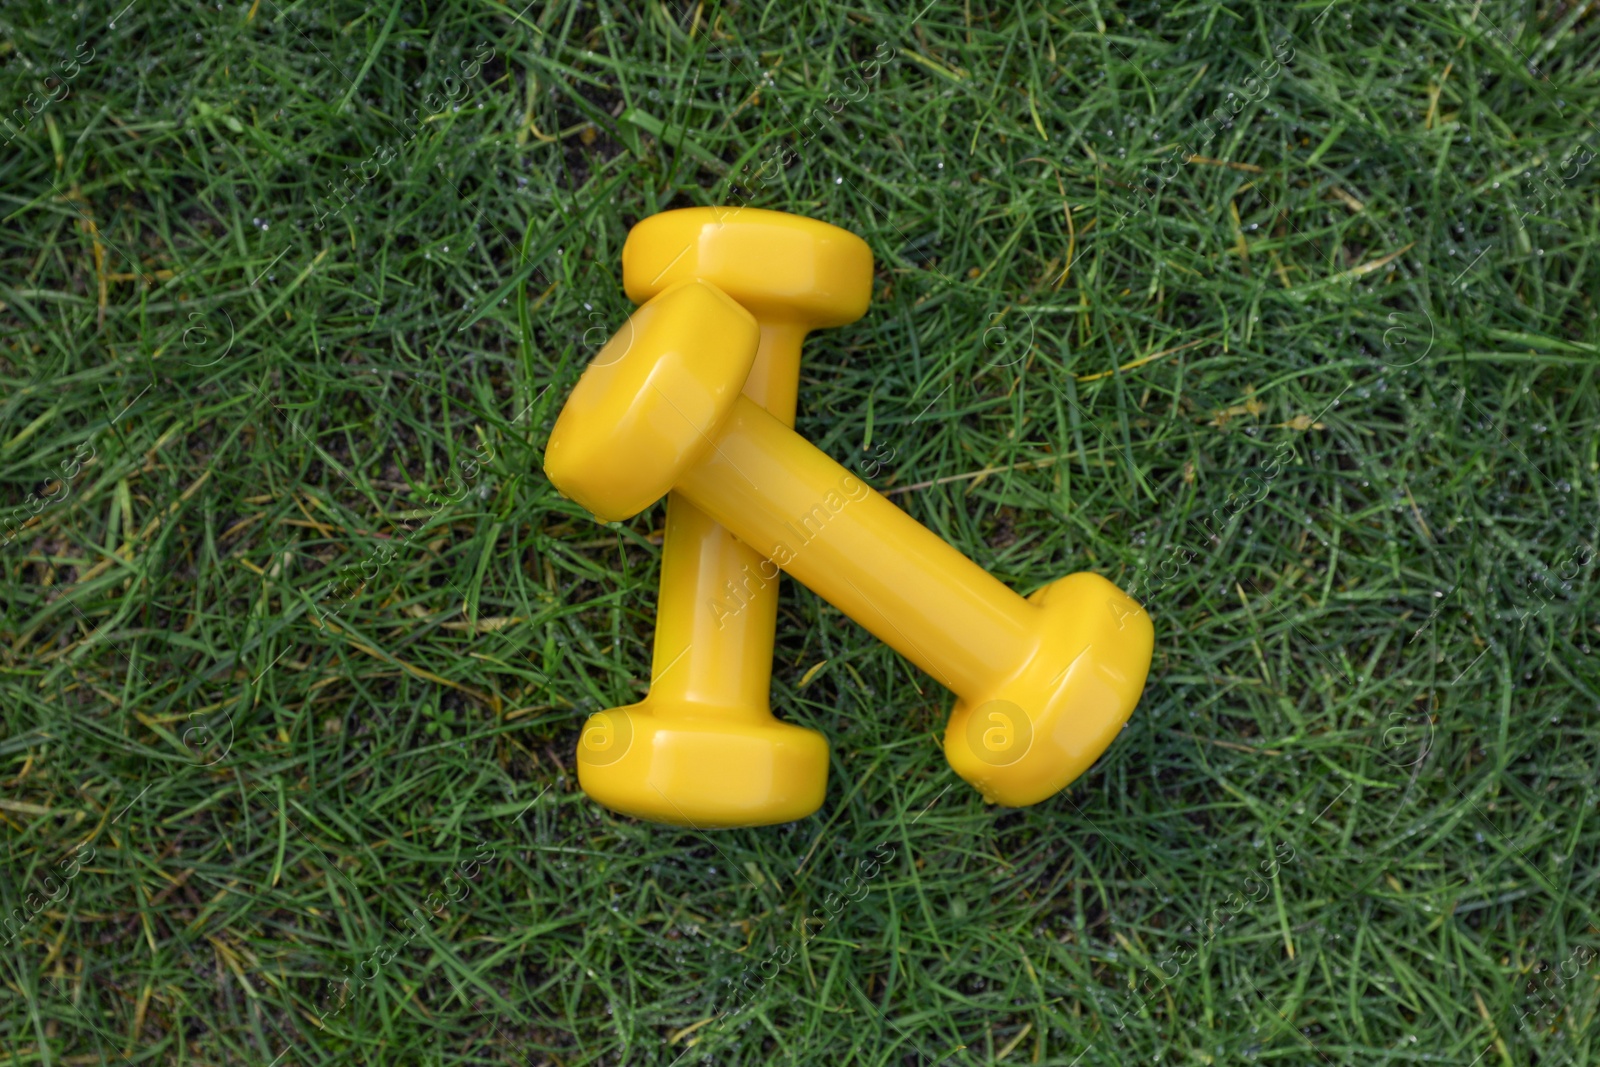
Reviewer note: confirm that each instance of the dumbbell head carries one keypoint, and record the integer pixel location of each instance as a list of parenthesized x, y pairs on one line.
[(1025, 739), (648, 405), (783, 268), (666, 765)]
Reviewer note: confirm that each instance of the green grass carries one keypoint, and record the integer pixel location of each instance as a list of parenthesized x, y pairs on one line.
[(303, 641)]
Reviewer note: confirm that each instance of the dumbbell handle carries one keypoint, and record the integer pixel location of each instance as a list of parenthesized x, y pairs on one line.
[(730, 665), (790, 502)]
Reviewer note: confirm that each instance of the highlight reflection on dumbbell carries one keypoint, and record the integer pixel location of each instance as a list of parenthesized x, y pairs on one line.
[(1051, 679)]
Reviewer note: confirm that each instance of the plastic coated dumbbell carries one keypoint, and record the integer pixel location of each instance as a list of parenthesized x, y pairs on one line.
[(1043, 685), (707, 716)]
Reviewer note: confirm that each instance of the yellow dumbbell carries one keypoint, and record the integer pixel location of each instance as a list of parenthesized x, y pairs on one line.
[(707, 716), (1043, 685)]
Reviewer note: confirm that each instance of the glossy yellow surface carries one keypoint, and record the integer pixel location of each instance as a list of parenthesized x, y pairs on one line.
[(670, 374), (782, 268), (1044, 684), (703, 748)]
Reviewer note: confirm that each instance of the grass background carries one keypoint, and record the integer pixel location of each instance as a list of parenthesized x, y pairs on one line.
[(1323, 397)]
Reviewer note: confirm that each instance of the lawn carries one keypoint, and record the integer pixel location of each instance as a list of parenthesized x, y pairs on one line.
[(1281, 316)]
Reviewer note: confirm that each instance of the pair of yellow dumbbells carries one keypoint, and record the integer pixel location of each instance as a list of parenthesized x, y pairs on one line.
[(694, 399)]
